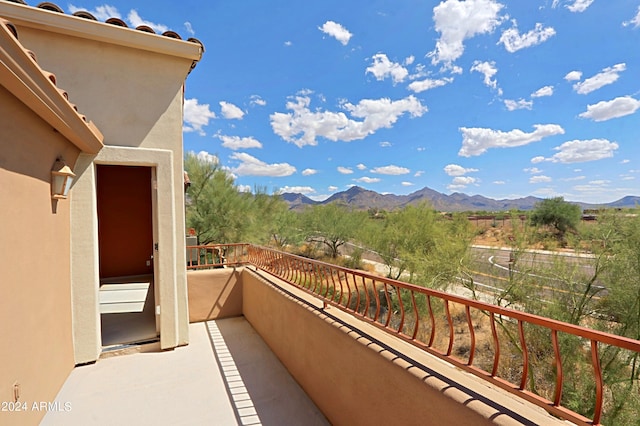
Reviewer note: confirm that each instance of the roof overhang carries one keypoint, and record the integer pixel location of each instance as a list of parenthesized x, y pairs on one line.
[(22, 77), (46, 20)]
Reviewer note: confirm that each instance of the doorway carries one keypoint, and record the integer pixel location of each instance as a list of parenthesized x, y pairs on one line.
[(126, 246)]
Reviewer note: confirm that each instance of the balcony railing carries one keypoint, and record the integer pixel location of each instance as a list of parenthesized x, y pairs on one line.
[(216, 256), (448, 326)]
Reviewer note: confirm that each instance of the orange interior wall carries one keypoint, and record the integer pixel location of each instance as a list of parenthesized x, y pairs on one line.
[(125, 228)]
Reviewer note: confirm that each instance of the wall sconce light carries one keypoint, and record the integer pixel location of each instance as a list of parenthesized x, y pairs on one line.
[(61, 178)]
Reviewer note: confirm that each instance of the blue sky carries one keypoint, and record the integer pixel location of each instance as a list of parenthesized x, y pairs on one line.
[(503, 98)]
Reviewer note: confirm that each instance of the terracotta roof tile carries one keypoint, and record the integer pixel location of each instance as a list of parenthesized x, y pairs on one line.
[(50, 6), (113, 20)]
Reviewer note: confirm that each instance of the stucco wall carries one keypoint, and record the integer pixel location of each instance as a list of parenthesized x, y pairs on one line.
[(36, 347), (214, 293), (361, 375), (134, 96)]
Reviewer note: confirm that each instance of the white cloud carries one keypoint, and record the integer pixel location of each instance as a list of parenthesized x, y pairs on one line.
[(409, 60), (540, 179), (461, 182), (406, 183), (230, 111), (476, 141), (391, 170), (361, 167), (382, 67), (532, 170), (499, 182), (102, 13), (635, 21), (236, 142), (606, 110), (514, 41), (257, 100), (344, 170), (385, 144), (573, 76), (332, 188), (488, 69), (309, 172), (418, 173), (336, 126), (189, 28), (606, 76), (457, 21), (251, 166), (243, 188), (625, 161), (196, 116), (519, 104), (205, 156), (422, 85), (297, 189), (336, 31), (135, 21), (543, 91), (572, 179), (580, 151), (456, 170), (366, 179), (579, 5), (538, 159)]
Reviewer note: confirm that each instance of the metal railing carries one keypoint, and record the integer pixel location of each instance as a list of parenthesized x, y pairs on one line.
[(216, 256), (450, 326)]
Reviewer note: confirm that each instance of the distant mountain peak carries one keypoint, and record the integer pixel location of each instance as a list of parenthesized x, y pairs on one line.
[(359, 198)]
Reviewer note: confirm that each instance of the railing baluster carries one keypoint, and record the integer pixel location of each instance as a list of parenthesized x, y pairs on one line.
[(450, 322), (401, 325), (389, 305), (496, 344), (525, 355), (559, 376), (367, 299), (416, 324), (432, 318), (357, 291), (472, 335), (377, 297), (597, 371)]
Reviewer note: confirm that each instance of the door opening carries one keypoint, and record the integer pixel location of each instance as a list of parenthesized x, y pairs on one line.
[(125, 241)]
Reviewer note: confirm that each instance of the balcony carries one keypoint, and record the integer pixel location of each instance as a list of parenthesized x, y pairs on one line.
[(357, 349)]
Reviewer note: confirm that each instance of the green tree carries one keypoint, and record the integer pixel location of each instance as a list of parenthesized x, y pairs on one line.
[(220, 213), (332, 225), (557, 213)]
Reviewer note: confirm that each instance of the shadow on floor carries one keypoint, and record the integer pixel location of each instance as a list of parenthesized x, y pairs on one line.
[(260, 389)]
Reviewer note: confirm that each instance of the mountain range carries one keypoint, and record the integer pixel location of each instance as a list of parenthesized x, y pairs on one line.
[(364, 199)]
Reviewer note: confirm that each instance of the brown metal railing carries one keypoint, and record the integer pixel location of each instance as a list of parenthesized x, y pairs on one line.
[(216, 256), (419, 316)]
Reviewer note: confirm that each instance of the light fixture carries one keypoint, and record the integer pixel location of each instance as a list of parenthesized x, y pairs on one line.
[(61, 178)]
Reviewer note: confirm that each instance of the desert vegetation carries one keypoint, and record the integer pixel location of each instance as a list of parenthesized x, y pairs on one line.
[(421, 246)]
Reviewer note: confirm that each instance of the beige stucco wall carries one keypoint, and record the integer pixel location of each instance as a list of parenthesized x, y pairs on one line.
[(171, 289), (214, 293), (36, 347), (357, 374), (132, 89)]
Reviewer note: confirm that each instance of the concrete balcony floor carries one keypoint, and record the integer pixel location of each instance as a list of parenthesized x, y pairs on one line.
[(227, 375)]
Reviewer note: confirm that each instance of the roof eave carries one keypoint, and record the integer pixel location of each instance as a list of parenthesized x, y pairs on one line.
[(70, 25), (23, 78)]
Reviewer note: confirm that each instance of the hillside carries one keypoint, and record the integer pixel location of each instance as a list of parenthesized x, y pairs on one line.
[(363, 199)]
